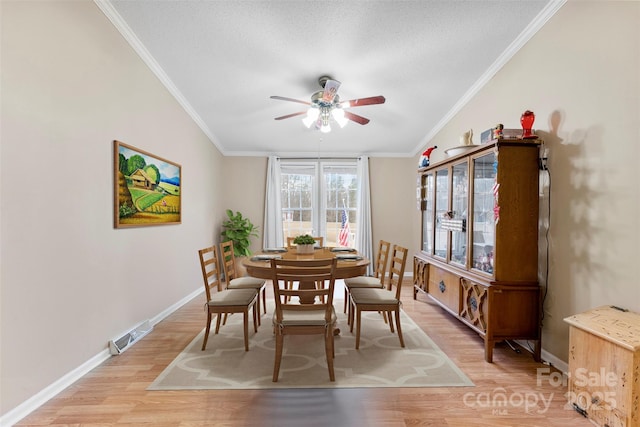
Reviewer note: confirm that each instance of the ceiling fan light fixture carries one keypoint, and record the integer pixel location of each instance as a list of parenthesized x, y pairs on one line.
[(325, 128), (338, 116), (312, 116), (325, 114)]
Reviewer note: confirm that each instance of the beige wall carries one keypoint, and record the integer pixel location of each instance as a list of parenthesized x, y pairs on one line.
[(579, 74), (393, 205), (70, 282), (244, 186)]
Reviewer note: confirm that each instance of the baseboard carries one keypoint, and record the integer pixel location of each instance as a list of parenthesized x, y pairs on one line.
[(552, 360), (158, 318), (40, 398), (547, 358)]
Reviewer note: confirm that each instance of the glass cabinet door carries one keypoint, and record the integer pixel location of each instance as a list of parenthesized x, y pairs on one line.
[(427, 212), (459, 208), (484, 176), (442, 209)]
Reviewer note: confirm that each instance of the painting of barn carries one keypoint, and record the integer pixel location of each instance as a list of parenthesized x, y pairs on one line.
[(146, 188)]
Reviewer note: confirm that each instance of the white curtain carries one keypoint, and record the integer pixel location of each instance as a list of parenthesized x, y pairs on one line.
[(272, 229), (364, 243)]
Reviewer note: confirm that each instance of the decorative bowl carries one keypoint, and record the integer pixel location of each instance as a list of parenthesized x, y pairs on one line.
[(461, 149)]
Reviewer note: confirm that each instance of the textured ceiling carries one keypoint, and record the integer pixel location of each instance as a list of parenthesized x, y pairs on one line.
[(224, 59)]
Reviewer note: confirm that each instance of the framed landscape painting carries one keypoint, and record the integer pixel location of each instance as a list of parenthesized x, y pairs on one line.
[(146, 188)]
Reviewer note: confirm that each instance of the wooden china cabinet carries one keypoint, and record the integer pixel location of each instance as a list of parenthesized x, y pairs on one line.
[(479, 254)]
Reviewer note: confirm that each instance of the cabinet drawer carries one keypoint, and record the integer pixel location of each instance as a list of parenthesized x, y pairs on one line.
[(445, 288)]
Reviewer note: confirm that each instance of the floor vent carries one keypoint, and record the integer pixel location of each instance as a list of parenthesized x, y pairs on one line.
[(119, 345)]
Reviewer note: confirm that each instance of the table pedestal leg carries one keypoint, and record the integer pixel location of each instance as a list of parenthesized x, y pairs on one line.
[(307, 300), (307, 285)]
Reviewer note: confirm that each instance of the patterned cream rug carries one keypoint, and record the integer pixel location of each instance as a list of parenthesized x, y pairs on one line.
[(380, 361)]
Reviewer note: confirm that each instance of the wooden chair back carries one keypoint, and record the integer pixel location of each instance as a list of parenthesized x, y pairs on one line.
[(396, 269), (319, 242), (210, 267), (311, 271), (227, 301), (228, 261), (382, 259)]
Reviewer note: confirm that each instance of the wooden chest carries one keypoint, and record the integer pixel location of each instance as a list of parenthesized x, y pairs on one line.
[(604, 366)]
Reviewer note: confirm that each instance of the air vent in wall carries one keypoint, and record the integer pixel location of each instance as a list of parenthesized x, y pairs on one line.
[(119, 345)]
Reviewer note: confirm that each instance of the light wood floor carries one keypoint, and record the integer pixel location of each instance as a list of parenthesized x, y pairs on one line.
[(115, 392)]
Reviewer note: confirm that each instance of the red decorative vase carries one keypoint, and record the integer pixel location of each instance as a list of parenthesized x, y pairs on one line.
[(526, 120)]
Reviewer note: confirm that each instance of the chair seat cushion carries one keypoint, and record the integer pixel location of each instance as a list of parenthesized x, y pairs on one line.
[(232, 297), (363, 282), (305, 318), (246, 283), (373, 296)]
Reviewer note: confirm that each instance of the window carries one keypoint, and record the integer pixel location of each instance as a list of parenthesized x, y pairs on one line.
[(299, 193), (315, 195)]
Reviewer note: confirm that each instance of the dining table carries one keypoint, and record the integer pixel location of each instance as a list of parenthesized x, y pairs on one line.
[(350, 262)]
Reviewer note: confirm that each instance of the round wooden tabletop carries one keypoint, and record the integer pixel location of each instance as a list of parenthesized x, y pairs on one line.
[(346, 268)]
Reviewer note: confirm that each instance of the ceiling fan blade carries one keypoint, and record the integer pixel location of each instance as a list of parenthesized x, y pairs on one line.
[(372, 100), (356, 118), (284, 98), (291, 115)]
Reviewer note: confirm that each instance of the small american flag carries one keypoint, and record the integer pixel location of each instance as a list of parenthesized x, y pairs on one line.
[(343, 236)]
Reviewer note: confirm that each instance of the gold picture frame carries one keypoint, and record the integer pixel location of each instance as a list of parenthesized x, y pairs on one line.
[(147, 188)]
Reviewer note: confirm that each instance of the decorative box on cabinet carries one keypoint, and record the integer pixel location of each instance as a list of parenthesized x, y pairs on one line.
[(479, 254), (604, 366)]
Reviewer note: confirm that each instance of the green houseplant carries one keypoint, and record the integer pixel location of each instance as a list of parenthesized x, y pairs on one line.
[(305, 244), (305, 239), (239, 230)]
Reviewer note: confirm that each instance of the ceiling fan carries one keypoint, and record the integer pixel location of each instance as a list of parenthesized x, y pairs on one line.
[(326, 104)]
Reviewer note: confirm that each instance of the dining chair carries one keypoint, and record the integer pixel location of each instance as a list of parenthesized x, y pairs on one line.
[(224, 301), (381, 300), (376, 281), (235, 281), (319, 242), (293, 318)]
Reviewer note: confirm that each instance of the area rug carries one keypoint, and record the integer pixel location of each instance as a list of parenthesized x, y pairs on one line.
[(380, 361)]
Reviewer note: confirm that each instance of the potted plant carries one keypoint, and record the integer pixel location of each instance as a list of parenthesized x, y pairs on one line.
[(239, 230), (304, 244)]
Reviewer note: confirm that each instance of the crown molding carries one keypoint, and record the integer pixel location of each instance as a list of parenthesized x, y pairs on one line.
[(545, 14), (107, 8)]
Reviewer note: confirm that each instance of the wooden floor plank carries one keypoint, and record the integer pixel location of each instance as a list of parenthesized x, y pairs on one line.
[(507, 392)]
